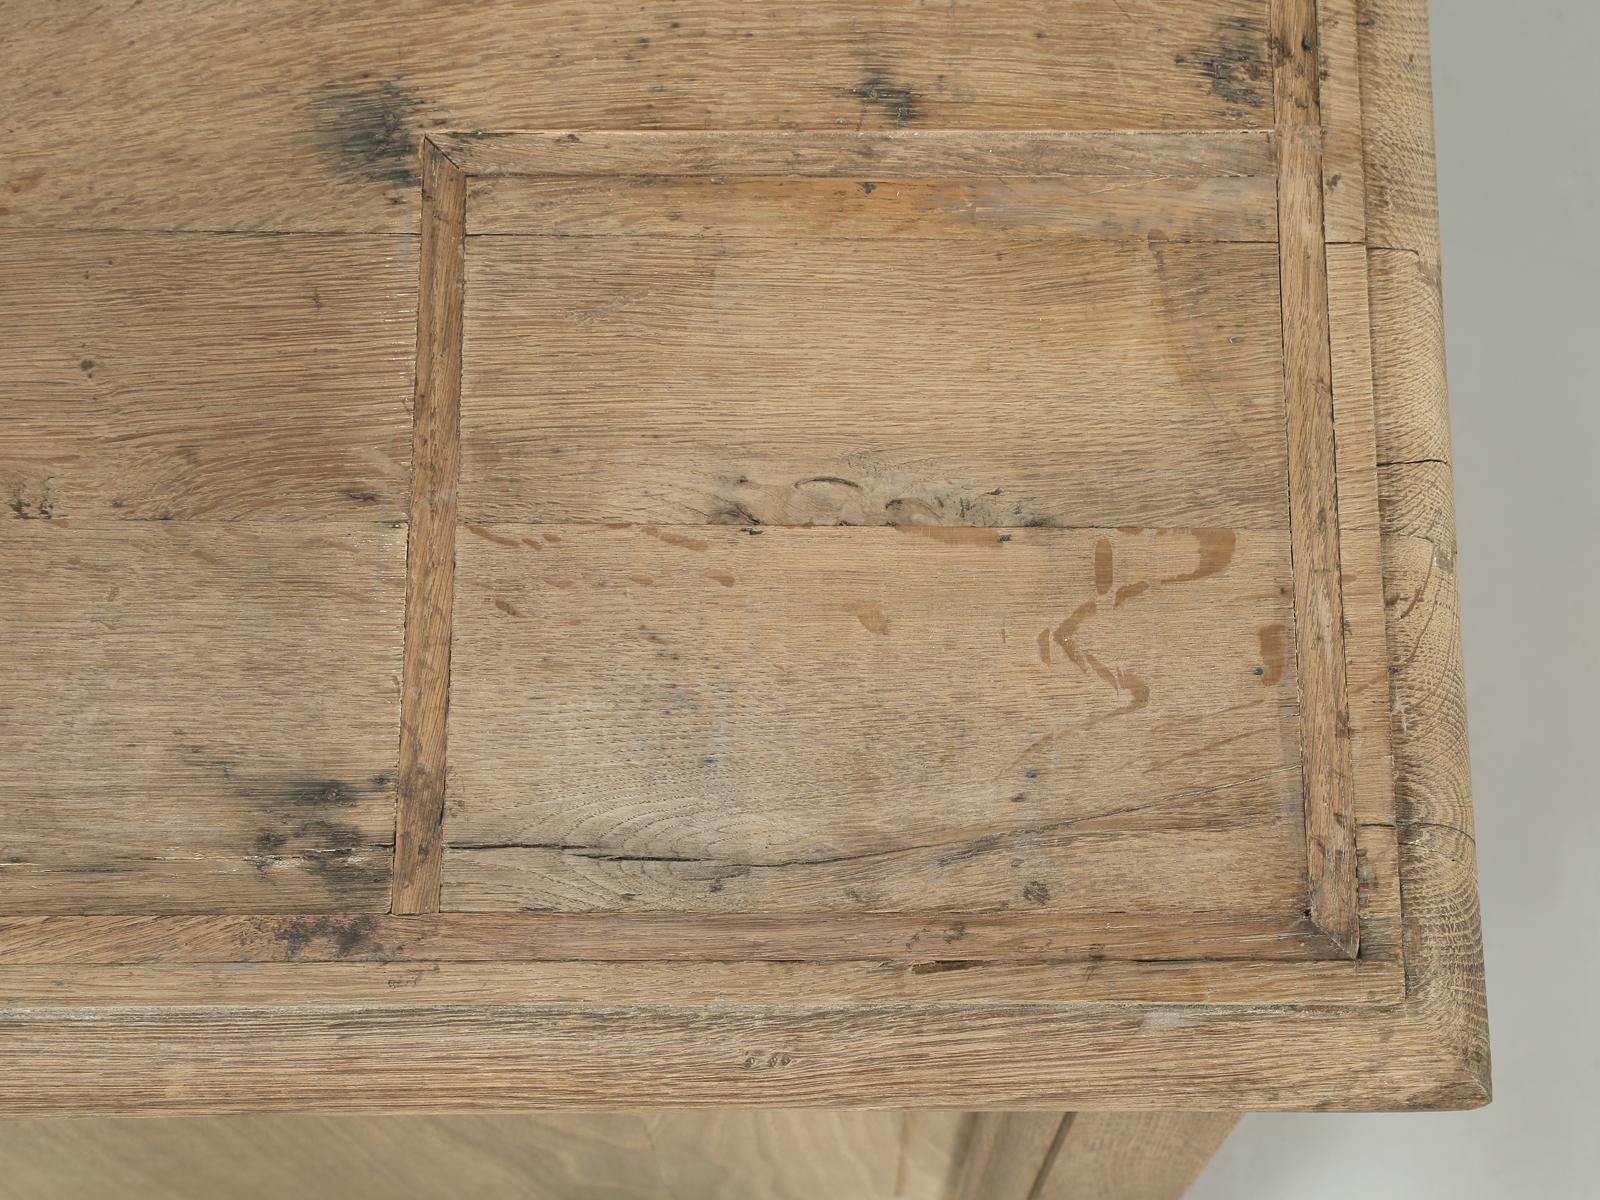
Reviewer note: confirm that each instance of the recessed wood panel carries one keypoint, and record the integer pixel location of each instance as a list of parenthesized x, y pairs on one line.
[(769, 720), (991, 381)]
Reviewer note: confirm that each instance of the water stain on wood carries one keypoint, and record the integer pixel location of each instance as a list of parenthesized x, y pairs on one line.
[(1216, 553), (871, 616), (1274, 652), (675, 539)]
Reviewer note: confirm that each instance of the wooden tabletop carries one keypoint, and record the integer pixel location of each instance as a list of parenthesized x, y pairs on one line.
[(585, 555)]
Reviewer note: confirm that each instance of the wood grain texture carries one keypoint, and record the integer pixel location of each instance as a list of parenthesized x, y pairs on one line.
[(1034, 752), (650, 937), (1010, 1155), (205, 377), (1397, 116), (1139, 209), (314, 123), (362, 980), (776, 1155), (777, 381), (1133, 1156), (1313, 478), (197, 718), (1339, 96), (430, 554), (902, 154), (257, 1046)]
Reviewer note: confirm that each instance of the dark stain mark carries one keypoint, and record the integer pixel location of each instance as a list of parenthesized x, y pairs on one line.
[(509, 609), (324, 793), (371, 127), (1036, 892), (1274, 652), (869, 188), (360, 495), (86, 365), (349, 935), (1235, 66), (896, 103), (38, 507)]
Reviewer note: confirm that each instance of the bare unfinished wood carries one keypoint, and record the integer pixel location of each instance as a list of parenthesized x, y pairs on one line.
[(205, 377), (360, 979), (1010, 1156), (1088, 1155), (628, 937), (835, 1002), (748, 757), (430, 555), (785, 381), (1313, 479), (197, 718), (315, 121), (731, 1155), (904, 155), (1133, 1156)]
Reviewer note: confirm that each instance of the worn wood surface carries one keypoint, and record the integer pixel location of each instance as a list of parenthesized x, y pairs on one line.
[(784, 380), (779, 708), (729, 1155), (431, 549), (176, 386), (197, 718)]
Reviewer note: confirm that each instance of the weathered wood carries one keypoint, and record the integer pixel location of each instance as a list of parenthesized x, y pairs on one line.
[(1145, 210), (313, 123), (904, 155), (209, 377), (785, 381), (630, 937), (1313, 478), (1010, 1156), (749, 757), (734, 1155), (360, 980), (197, 718), (791, 358), (1133, 1156), (1339, 97), (430, 555)]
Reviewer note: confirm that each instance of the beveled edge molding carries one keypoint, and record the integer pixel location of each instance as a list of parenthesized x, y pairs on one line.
[(1313, 479), (430, 547)]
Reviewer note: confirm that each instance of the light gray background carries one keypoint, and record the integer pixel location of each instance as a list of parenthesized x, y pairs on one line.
[(1517, 104)]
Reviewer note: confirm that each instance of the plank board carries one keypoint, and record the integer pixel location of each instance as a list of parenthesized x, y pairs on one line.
[(207, 377), (313, 124), (1001, 381), (198, 718)]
